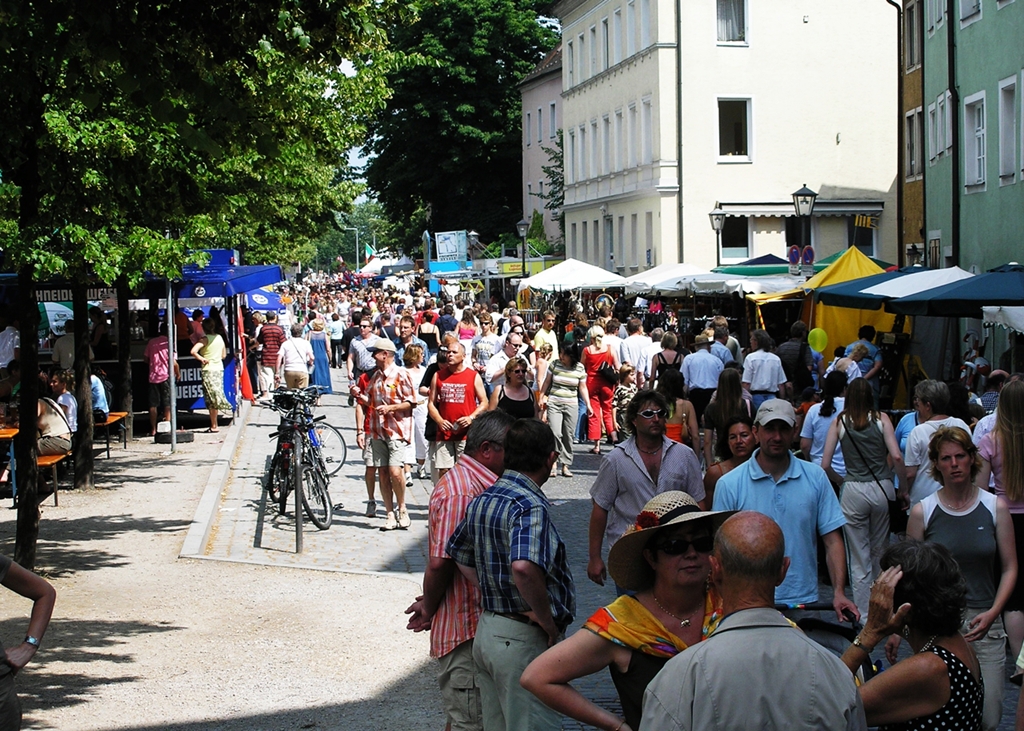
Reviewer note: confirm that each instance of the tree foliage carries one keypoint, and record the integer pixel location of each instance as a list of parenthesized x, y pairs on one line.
[(449, 139), (554, 192)]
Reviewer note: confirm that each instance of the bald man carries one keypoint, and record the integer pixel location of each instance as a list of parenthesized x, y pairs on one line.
[(756, 671)]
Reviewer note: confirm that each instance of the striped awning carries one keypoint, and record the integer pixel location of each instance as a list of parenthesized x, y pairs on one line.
[(821, 208)]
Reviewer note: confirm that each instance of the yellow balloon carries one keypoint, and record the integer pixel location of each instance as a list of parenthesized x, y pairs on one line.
[(817, 339)]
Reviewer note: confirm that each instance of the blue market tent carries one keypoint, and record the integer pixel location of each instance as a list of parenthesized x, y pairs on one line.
[(1002, 286), (226, 280), (263, 299), (851, 294)]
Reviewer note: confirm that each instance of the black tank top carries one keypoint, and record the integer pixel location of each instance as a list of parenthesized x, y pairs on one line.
[(662, 365), (519, 409), (632, 684)]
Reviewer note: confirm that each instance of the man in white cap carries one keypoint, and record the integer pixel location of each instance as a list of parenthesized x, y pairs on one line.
[(391, 399), (798, 496)]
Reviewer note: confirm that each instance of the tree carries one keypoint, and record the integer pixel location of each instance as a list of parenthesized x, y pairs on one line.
[(449, 137), (554, 192), (222, 121)]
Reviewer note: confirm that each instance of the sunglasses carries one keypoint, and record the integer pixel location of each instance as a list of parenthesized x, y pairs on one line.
[(651, 413), (519, 371), (679, 546), (362, 326)]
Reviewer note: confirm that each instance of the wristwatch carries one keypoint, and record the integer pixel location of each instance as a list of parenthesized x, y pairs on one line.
[(857, 643), (34, 641)]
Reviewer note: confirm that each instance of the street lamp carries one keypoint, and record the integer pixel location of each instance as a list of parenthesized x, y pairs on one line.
[(353, 228), (523, 227), (717, 217), (803, 202)]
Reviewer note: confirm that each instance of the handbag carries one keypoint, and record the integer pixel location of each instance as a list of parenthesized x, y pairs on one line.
[(898, 518), (607, 371)]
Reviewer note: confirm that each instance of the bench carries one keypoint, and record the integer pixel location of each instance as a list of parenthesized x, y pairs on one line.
[(51, 461), (114, 418)]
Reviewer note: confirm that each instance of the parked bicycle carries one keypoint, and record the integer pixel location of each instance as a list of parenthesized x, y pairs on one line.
[(308, 452)]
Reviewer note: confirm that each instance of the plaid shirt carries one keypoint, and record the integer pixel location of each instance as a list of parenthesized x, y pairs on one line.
[(510, 522), (392, 386), (456, 616)]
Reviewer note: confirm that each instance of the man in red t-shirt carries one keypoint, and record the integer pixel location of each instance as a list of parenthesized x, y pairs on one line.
[(457, 396)]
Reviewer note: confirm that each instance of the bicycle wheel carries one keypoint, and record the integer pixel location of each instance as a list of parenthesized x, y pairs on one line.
[(316, 501), (277, 477), (332, 447)]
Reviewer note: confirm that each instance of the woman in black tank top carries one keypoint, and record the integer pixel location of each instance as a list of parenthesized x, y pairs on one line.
[(515, 397), (669, 358)]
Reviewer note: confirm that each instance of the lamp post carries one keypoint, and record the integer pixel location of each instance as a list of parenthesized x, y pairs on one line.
[(717, 217), (523, 227), (353, 228), (803, 202)]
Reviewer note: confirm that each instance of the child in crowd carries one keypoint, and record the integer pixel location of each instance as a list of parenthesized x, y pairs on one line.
[(624, 393)]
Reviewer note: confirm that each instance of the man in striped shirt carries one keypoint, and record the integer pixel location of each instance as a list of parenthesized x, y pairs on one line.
[(509, 546), (449, 607)]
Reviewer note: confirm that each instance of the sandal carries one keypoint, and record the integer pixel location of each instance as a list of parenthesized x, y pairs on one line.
[(595, 450), (211, 431), (566, 472)]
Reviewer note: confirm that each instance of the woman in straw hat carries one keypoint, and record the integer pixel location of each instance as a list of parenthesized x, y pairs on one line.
[(664, 558)]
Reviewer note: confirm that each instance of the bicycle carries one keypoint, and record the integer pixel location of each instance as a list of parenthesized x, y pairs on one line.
[(298, 462)]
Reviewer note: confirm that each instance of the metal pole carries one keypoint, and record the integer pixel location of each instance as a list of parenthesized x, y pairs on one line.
[(297, 466), (172, 341)]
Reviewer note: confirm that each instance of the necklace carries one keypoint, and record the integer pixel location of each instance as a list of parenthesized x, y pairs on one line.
[(682, 622), (924, 648), (644, 451), (963, 504)]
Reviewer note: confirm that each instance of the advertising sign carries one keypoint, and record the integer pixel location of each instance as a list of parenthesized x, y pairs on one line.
[(451, 245)]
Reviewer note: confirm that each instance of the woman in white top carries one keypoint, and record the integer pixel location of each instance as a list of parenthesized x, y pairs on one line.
[(294, 359), (63, 383), (416, 452)]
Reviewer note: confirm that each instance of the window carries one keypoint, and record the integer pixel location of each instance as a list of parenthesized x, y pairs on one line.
[(862, 236), (932, 136), (583, 57), (736, 238), (1008, 130), (974, 140), (570, 168), (529, 198), (570, 63), (645, 23), (634, 236), (912, 34), (732, 21), (936, 10), (572, 239), (595, 158), (606, 50), (584, 168), (631, 28), (593, 51), (947, 119), (622, 240), (970, 8), (734, 130), (617, 36), (540, 191), (631, 155), (586, 243), (552, 120), (647, 131), (540, 126), (649, 236), (620, 153), (943, 125), (606, 145), (913, 135), (527, 127)]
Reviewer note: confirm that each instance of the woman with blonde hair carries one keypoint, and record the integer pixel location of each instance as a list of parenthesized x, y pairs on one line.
[(601, 387), (1002, 459), (668, 359)]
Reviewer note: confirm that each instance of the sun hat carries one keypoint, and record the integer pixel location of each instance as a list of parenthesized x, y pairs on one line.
[(626, 562), (702, 339), (776, 409), (383, 344)]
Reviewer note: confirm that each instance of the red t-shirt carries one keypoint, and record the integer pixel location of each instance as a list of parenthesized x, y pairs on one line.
[(363, 384), (456, 398)]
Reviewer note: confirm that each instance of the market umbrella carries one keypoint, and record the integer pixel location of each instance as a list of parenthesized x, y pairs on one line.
[(1002, 286), (662, 278), (262, 299), (851, 293), (52, 316)]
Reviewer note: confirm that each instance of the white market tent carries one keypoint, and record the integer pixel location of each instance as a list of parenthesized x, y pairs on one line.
[(572, 274), (662, 278), (375, 265), (1008, 317), (730, 283), (917, 282)]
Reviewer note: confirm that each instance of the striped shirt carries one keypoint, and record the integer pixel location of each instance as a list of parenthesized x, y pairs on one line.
[(565, 382), (510, 522), (392, 386), (456, 616)]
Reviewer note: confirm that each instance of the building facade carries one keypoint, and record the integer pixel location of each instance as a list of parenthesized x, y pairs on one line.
[(670, 107), (542, 119)]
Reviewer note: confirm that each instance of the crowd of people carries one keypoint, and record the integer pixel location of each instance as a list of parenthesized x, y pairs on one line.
[(734, 482)]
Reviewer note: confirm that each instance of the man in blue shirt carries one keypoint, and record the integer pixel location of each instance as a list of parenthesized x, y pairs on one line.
[(509, 547), (798, 496)]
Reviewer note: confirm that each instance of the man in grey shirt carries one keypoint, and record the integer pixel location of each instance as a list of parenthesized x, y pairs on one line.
[(646, 464), (756, 671)]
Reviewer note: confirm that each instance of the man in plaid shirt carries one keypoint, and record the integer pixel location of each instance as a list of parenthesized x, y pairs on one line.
[(390, 400), (509, 547), (450, 605)]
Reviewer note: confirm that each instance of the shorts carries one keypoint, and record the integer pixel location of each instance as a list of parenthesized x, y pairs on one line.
[(460, 693), (443, 455), (295, 379), (388, 453), (54, 445), (160, 395)]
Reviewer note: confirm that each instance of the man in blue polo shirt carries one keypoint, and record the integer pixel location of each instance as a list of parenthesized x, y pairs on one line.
[(798, 496)]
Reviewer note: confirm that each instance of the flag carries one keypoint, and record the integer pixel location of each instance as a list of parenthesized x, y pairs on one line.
[(369, 252), (866, 222)]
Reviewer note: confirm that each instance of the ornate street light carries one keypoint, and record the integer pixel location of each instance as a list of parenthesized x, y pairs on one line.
[(803, 202), (523, 227), (717, 217)]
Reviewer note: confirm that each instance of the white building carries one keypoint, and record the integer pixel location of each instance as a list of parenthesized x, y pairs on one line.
[(542, 118), (765, 97)]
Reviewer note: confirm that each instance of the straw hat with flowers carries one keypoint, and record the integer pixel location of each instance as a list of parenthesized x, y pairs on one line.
[(626, 562)]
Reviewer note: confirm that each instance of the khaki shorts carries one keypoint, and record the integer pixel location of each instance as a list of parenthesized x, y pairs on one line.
[(456, 674), (388, 453), (443, 455), (294, 379)]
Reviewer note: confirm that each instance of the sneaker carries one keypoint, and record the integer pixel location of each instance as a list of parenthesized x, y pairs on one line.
[(371, 508), (403, 518), (390, 523), (408, 479)]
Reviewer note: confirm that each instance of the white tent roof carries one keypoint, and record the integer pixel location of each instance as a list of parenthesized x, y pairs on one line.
[(918, 282), (1008, 317), (729, 283), (572, 274), (662, 278), (375, 265)]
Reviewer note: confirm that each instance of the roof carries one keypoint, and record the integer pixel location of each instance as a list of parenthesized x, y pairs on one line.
[(551, 63)]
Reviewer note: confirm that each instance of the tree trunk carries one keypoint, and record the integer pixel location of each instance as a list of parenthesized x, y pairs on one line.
[(124, 354), (26, 448), (84, 460)]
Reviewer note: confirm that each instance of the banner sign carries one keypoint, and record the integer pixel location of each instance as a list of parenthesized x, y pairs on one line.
[(64, 295), (451, 246)]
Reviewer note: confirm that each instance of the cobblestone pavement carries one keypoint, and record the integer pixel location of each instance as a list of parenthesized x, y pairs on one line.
[(240, 525)]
